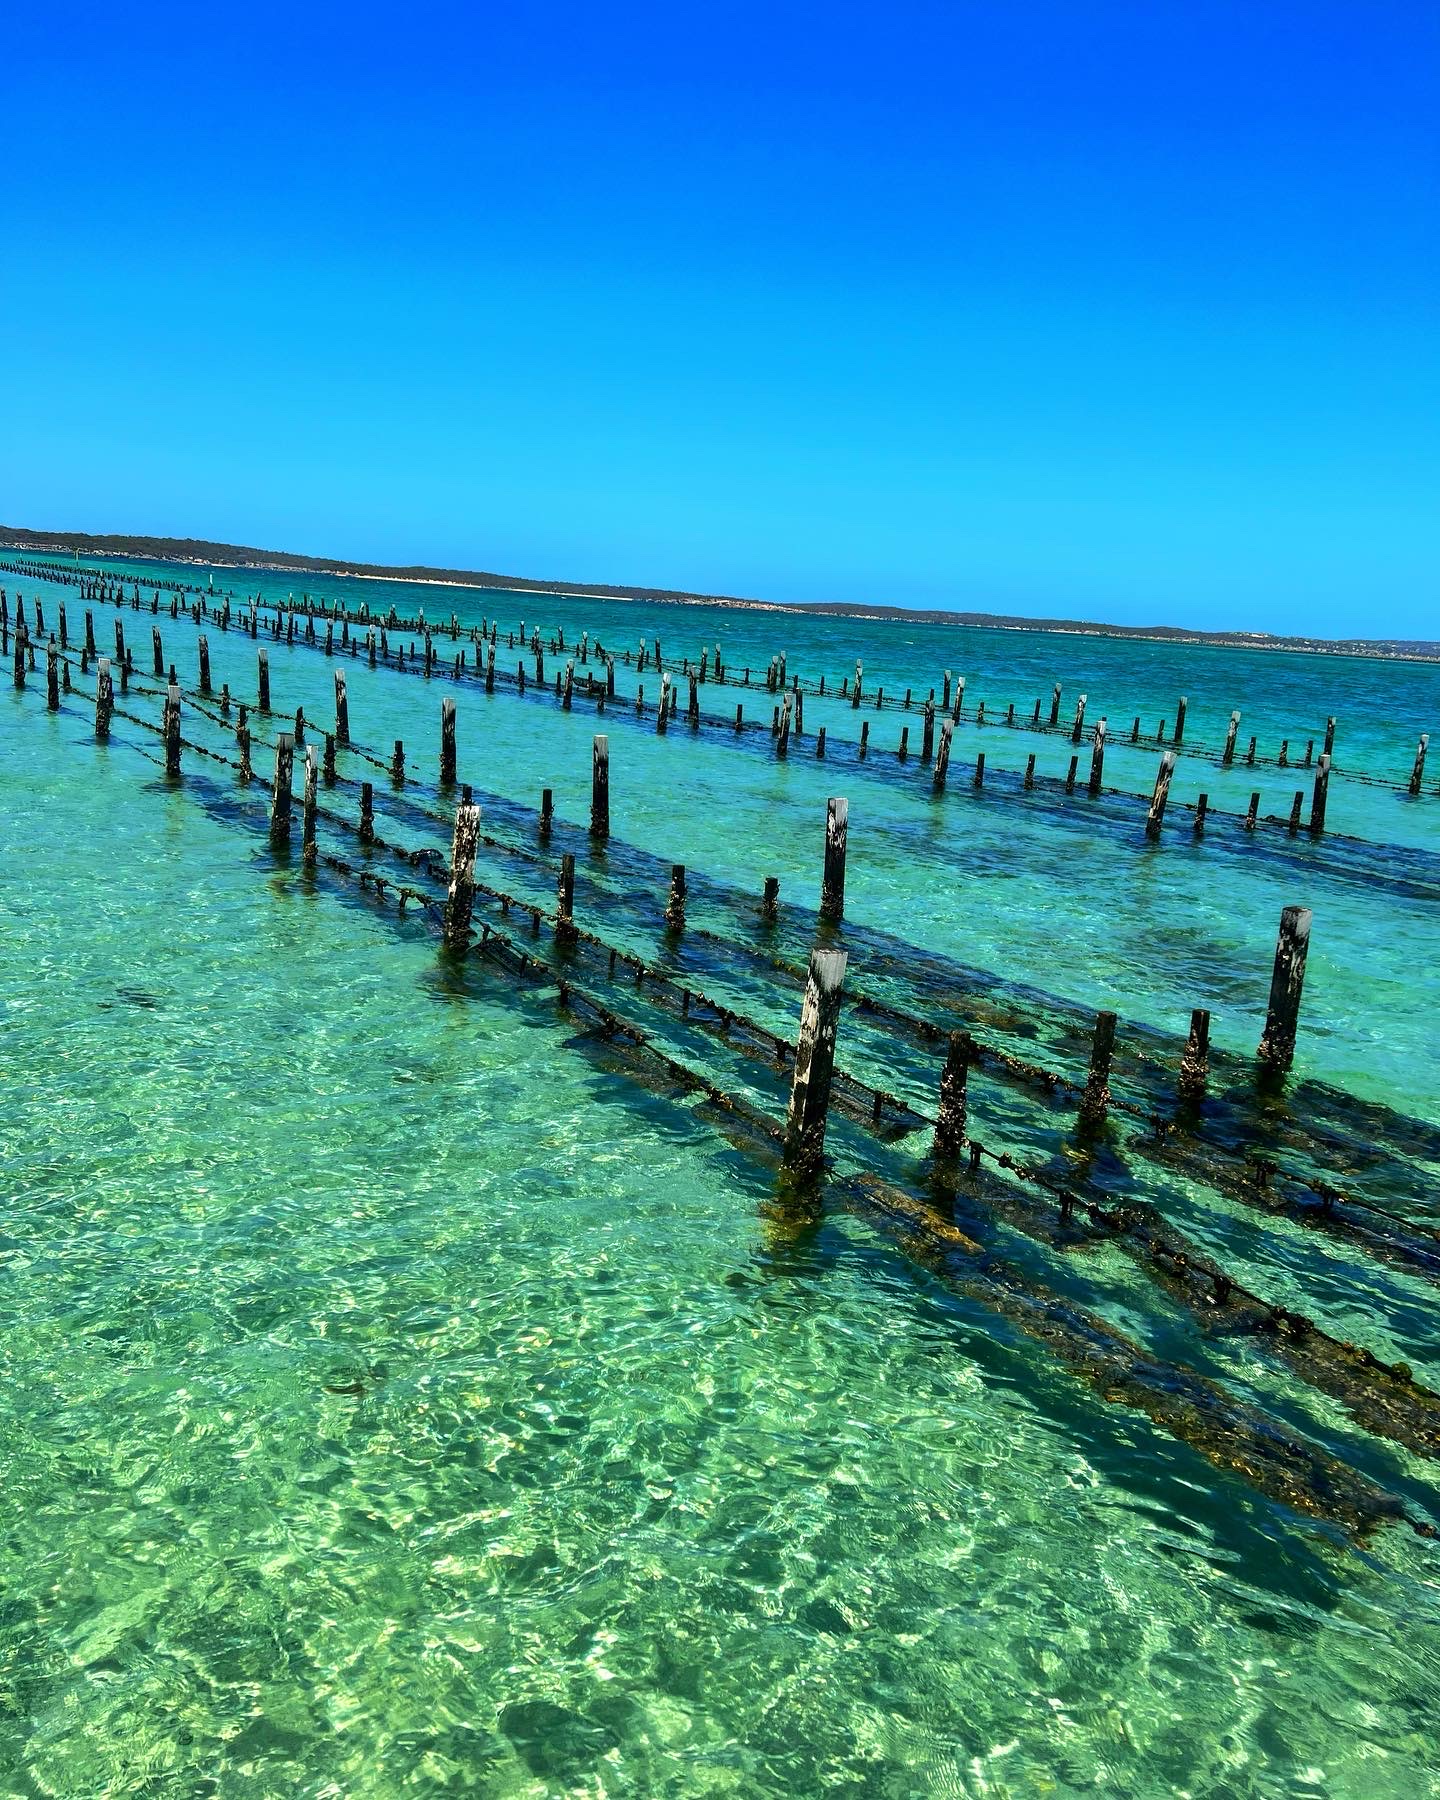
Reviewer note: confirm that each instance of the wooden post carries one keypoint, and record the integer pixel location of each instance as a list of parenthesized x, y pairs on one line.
[(1097, 760), (447, 742), (329, 770), (1180, 719), (1161, 794), (242, 744), (675, 906), (20, 644), (942, 758), (299, 727), (171, 726), (52, 677), (1079, 720), (342, 709), (959, 700), (547, 811), (1095, 1101), (1253, 812), (158, 653), (1329, 749), (600, 788), (280, 796), (1195, 1064), (864, 739), (927, 734), (1250, 755), (692, 710), (263, 663), (1070, 774), (120, 643), (1230, 735), (1417, 773), (1296, 807), (832, 886), (770, 900), (1030, 770), (855, 697), (979, 776), (1318, 799), (949, 1139), (308, 847), (1055, 705), (814, 1062), (904, 751), (663, 716), (204, 650), (1284, 757), (460, 901), (490, 670), (367, 812), (1201, 807), (820, 744), (1287, 982), (565, 900), (782, 742), (945, 693), (89, 633), (397, 764)]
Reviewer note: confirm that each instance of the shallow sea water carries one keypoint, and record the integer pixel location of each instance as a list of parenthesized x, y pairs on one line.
[(399, 1398)]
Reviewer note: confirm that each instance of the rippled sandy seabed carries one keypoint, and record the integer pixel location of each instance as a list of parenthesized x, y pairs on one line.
[(400, 1396)]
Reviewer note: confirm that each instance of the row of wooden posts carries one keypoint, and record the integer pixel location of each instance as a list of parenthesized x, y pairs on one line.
[(776, 680), (941, 755), (815, 1050)]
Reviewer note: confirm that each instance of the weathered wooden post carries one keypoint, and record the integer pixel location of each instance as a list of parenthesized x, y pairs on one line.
[(832, 886), (308, 847), (1417, 773), (1070, 774), (600, 788), (1250, 755), (242, 743), (1296, 807), (1284, 757), (64, 635), (903, 751), (89, 634), (663, 716), (565, 901), (447, 742), (942, 758), (1202, 806), (120, 643), (1095, 1101), (397, 764), (52, 677), (1030, 770), (1287, 982), (280, 797), (1055, 705), (263, 664), (1320, 795), (978, 779), (1180, 719), (770, 900), (1079, 720), (692, 710), (299, 726), (1253, 811), (159, 669), (367, 812), (814, 1062), (547, 811), (490, 670), (328, 769), (927, 734), (1097, 760), (782, 742), (675, 906), (855, 697), (170, 726), (1161, 794), (1230, 735), (1329, 749), (1195, 1064), (342, 709), (949, 1139), (460, 900)]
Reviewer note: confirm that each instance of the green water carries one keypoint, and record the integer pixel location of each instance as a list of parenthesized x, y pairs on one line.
[(400, 1398)]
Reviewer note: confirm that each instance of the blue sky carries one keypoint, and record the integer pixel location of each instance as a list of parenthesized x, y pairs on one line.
[(1114, 311)]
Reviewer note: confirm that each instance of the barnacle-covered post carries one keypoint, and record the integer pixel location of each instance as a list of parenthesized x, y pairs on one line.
[(832, 886), (949, 1138), (1287, 983), (460, 901), (814, 1062), (280, 796)]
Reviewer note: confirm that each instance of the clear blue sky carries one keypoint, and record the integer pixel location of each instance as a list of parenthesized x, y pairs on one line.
[(1120, 311)]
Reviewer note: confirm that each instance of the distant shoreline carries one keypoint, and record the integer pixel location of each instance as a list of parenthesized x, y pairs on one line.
[(201, 553)]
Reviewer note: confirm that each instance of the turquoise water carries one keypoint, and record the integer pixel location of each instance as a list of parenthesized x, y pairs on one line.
[(402, 1397)]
